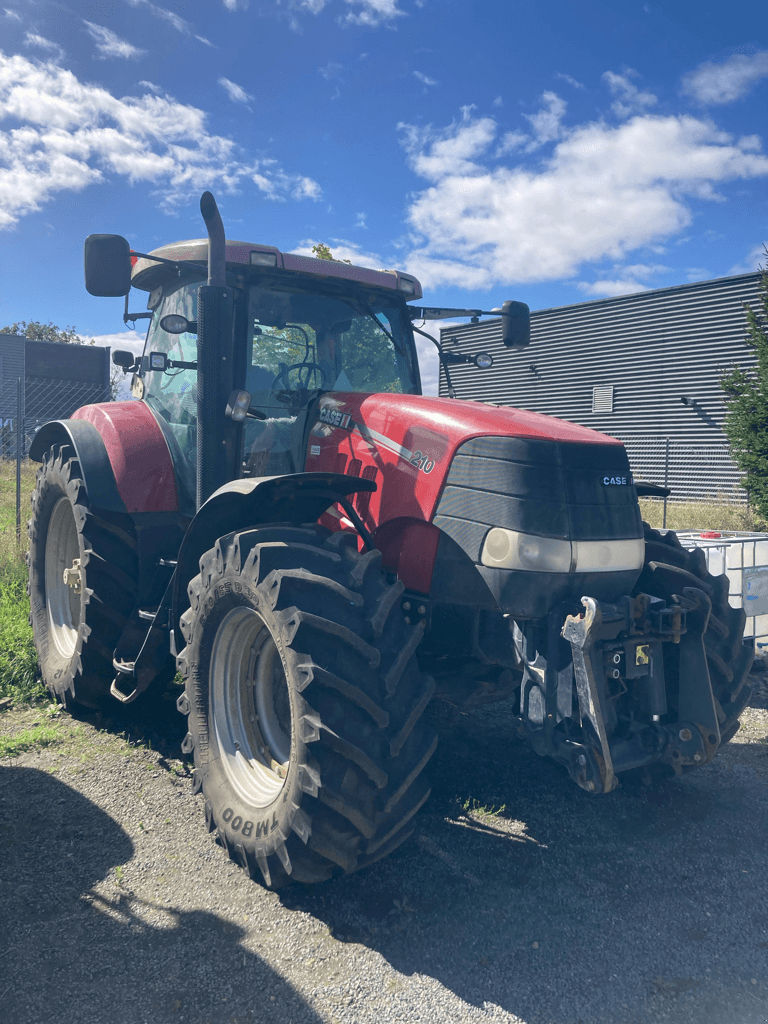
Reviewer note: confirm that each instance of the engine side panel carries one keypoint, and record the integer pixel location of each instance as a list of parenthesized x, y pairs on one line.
[(138, 454)]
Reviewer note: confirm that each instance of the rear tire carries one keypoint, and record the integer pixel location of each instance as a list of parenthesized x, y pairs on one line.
[(76, 628), (304, 700)]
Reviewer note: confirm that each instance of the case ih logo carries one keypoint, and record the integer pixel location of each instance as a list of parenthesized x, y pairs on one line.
[(335, 418), (617, 481)]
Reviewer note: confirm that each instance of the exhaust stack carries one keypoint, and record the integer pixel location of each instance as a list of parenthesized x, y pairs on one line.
[(214, 340)]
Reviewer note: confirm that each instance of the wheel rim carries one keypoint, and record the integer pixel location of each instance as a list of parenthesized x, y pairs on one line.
[(250, 707), (62, 548)]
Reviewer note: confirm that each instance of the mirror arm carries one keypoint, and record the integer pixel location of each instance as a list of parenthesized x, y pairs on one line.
[(443, 362)]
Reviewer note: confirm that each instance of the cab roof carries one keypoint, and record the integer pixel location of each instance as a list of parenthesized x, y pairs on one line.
[(147, 275)]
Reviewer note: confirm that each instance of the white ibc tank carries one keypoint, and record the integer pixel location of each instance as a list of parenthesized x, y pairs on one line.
[(743, 557)]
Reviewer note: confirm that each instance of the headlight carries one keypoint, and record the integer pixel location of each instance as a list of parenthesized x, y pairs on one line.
[(608, 555), (508, 549)]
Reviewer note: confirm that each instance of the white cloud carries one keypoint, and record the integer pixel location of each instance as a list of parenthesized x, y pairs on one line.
[(370, 13), (360, 222), (546, 124), (32, 39), (632, 278), (373, 13), (570, 80), (629, 98), (754, 260), (66, 135), (235, 92), (509, 142), (604, 288), (11, 15), (331, 70), (177, 22), (604, 192), (131, 341), (424, 79), (713, 83), (436, 154), (151, 86), (498, 102), (110, 45)]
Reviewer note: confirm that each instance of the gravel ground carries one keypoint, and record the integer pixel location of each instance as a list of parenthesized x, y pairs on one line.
[(519, 897)]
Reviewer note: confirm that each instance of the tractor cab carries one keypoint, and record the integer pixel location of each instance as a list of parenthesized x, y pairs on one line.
[(297, 334)]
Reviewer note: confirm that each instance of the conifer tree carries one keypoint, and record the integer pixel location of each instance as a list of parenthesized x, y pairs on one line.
[(746, 400)]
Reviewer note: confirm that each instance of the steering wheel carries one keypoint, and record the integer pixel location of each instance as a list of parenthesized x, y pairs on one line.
[(305, 372)]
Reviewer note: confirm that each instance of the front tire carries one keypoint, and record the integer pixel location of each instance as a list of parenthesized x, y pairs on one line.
[(670, 568), (76, 625), (304, 700)]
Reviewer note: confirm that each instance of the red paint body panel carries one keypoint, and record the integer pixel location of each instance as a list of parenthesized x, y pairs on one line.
[(410, 441), (138, 454)]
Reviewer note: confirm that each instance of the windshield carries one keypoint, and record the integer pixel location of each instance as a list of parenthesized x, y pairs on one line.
[(305, 341)]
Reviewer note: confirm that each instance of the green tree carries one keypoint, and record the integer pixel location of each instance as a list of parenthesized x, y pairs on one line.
[(36, 331), (746, 400), (322, 252)]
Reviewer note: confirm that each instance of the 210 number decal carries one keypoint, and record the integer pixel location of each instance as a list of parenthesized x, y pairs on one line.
[(420, 461)]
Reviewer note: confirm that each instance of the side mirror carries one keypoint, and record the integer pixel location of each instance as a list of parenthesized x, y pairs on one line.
[(107, 265), (516, 324), (123, 359)]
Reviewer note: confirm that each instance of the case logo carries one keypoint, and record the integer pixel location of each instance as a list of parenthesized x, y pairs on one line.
[(335, 418), (617, 481)]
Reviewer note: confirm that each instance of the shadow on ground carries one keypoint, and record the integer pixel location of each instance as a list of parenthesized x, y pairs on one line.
[(77, 950), (645, 905)]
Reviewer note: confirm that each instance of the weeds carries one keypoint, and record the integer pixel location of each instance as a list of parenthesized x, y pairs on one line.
[(29, 739), (471, 806)]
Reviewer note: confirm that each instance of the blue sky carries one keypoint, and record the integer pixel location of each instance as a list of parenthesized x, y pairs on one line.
[(547, 152)]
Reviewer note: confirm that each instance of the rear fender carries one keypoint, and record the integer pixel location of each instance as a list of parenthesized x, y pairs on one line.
[(91, 453), (294, 499)]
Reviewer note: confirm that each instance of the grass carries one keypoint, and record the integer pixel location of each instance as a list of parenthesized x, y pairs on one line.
[(18, 661), (718, 514), (29, 739)]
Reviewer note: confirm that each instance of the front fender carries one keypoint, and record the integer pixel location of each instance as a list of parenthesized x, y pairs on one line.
[(293, 499), (90, 451)]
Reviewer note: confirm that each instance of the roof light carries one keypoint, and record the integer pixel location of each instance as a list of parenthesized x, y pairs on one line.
[(406, 284), (263, 259)]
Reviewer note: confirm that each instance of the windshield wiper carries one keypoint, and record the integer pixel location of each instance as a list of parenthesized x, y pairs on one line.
[(365, 308)]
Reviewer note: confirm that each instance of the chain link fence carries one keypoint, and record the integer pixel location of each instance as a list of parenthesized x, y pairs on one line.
[(27, 403), (703, 472)]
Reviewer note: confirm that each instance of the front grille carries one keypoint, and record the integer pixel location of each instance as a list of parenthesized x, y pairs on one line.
[(549, 488)]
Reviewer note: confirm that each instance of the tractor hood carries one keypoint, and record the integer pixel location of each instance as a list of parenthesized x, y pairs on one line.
[(447, 469)]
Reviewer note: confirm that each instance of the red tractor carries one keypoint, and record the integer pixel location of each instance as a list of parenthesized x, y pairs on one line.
[(320, 550)]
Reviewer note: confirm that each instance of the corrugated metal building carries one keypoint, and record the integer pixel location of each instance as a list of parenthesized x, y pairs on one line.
[(644, 368)]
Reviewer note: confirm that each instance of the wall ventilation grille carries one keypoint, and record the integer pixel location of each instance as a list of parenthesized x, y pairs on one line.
[(602, 398)]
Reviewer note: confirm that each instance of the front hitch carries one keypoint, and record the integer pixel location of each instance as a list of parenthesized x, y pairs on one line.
[(621, 645)]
